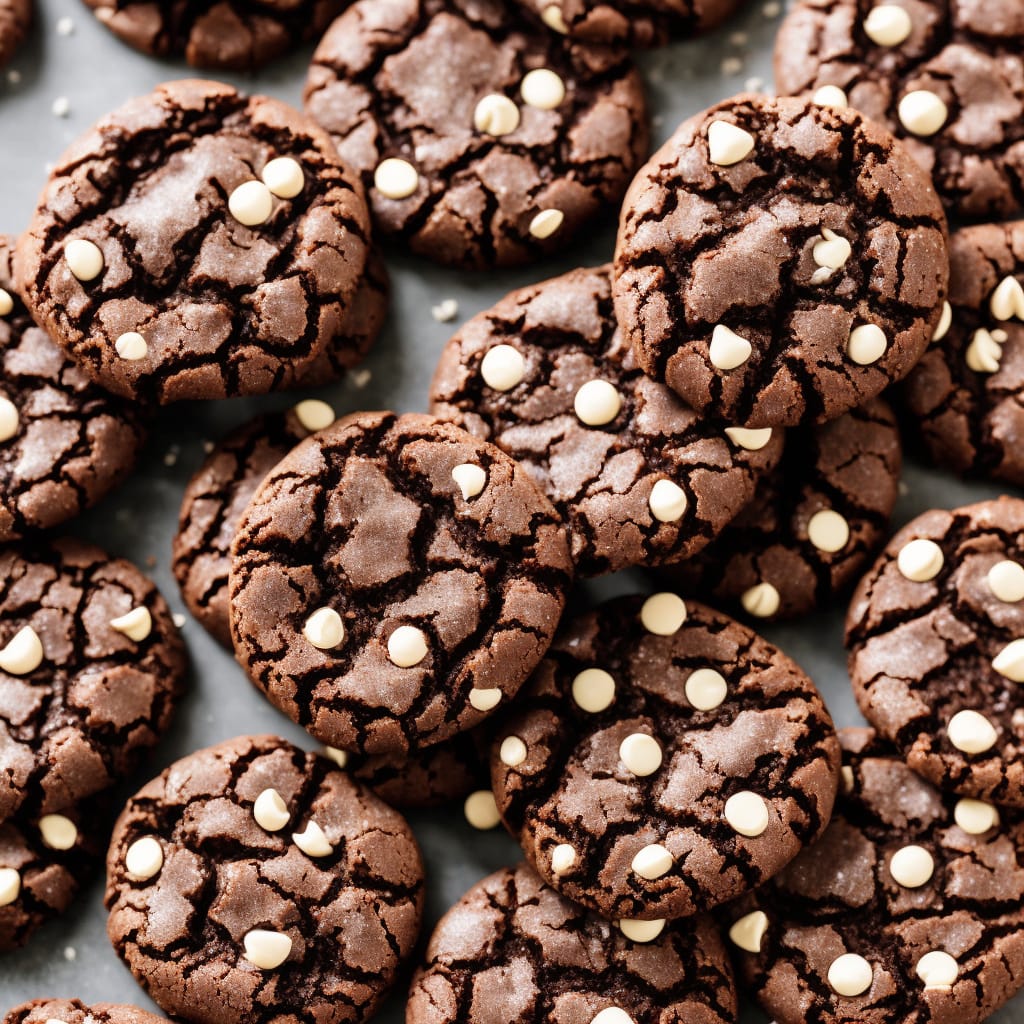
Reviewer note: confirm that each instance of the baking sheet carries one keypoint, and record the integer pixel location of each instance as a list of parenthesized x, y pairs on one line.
[(73, 64)]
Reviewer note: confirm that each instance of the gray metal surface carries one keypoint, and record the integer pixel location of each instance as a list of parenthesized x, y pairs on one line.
[(93, 73)]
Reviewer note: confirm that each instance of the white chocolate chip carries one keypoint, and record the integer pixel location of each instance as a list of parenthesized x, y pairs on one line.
[(251, 203), (922, 112), (938, 970), (920, 560), (23, 653), (512, 752), (542, 88), (850, 975), (395, 178), (481, 810), (563, 859), (593, 689), (144, 859), (830, 96), (324, 629), (847, 779), (10, 886), (136, 624), (1006, 581), (984, 353), (407, 646), (652, 861), (751, 440), (762, 600), (284, 177), (58, 832), (663, 614), (749, 930), (705, 689), (887, 25), (266, 949), (597, 403), (945, 322), (9, 419), (975, 817), (338, 756), (485, 699), (1009, 662), (832, 251), (828, 531), (667, 502), (312, 842), (470, 479), (613, 1015), (641, 931), (314, 415), (728, 144), (971, 732), (1007, 299), (84, 259), (747, 813), (6, 303), (867, 344), (727, 349), (131, 346), (545, 223), (911, 866), (640, 754), (496, 115), (503, 367), (270, 811), (554, 19)]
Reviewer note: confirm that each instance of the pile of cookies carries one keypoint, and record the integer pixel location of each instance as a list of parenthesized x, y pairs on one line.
[(713, 404)]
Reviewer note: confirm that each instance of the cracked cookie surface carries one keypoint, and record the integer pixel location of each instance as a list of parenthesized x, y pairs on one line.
[(663, 759), (484, 139), (74, 1011), (394, 580), (268, 887), (945, 76), (161, 260), (607, 473), (80, 699), (935, 632), (780, 262), (15, 22), (907, 909)]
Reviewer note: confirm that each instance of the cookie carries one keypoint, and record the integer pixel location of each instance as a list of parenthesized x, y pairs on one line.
[(945, 76), (253, 881), (65, 442), (964, 396), (663, 760), (91, 668), (780, 262), (813, 524), (513, 950), (639, 477), (935, 632), (197, 243), (907, 910), (483, 139), (393, 581), (15, 22), (74, 1011)]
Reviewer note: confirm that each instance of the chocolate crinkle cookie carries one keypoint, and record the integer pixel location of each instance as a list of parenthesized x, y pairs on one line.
[(15, 21), (780, 262), (64, 442), (252, 881), (513, 951), (662, 760), (197, 243), (966, 395), (945, 76), (640, 478), (813, 523), (394, 580), (936, 638), (74, 1011), (91, 668), (483, 138), (906, 911)]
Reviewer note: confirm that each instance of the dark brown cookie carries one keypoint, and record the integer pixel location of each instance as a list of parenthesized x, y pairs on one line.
[(936, 638), (663, 760), (197, 243), (394, 580), (66, 442), (965, 397), (945, 76), (91, 668), (74, 1011), (906, 911), (639, 477), (483, 139), (512, 951), (780, 262), (252, 881), (15, 21), (813, 524)]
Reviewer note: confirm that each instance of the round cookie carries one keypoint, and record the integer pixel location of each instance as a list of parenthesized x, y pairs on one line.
[(907, 910), (252, 880), (394, 580), (639, 477), (513, 950), (91, 668), (74, 1011), (780, 262), (664, 759), (964, 396), (935, 632), (66, 442), (945, 76), (15, 22), (272, 264), (483, 138), (813, 524)]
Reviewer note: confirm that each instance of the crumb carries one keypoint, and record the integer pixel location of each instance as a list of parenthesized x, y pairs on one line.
[(150, 561), (360, 378), (13, 77), (903, 489), (70, 953), (738, 39), (179, 620), (753, 84), (445, 312), (61, 106), (65, 26), (208, 447), (731, 65), (171, 458), (772, 9)]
